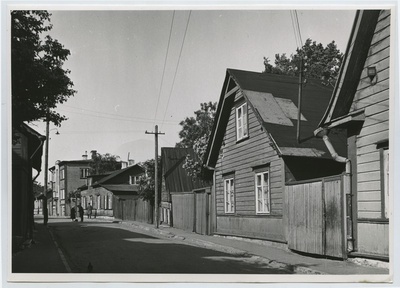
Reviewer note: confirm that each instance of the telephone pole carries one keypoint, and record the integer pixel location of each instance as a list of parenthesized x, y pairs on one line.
[(156, 133)]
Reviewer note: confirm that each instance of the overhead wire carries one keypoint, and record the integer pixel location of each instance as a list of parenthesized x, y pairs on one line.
[(165, 64), (104, 115), (177, 66), (298, 27), (294, 29)]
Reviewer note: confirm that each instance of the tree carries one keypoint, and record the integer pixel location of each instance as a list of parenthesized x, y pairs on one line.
[(320, 62), (39, 82), (147, 181), (193, 128), (195, 134), (101, 164)]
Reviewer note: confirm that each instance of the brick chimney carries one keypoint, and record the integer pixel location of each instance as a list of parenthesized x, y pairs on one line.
[(93, 152), (84, 156)]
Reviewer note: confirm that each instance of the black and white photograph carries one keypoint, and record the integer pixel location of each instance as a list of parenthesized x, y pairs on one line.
[(202, 144)]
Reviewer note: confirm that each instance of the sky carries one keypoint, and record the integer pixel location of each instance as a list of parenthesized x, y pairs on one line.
[(126, 82)]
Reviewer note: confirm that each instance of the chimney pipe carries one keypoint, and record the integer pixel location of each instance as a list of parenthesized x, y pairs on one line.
[(94, 153), (84, 157)]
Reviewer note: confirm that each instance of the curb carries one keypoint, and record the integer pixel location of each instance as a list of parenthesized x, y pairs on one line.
[(226, 249)]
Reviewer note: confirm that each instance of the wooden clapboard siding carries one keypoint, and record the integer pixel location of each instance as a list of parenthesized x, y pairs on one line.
[(238, 159), (368, 244), (374, 100)]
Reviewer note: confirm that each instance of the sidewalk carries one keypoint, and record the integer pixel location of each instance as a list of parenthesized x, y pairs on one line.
[(276, 253), (41, 256)]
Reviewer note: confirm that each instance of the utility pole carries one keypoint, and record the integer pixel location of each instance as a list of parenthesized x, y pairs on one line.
[(46, 168), (301, 82), (156, 133)]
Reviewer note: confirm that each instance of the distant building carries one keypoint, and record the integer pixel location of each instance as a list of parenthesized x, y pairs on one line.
[(65, 178), (102, 191)]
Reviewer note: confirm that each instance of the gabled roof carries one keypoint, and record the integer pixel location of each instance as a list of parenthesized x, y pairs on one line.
[(352, 66), (273, 99), (175, 176), (116, 173)]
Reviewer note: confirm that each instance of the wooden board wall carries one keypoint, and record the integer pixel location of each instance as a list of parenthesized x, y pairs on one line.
[(239, 159), (374, 99)]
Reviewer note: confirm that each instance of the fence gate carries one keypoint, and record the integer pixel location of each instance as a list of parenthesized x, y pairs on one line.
[(315, 214), (202, 206)]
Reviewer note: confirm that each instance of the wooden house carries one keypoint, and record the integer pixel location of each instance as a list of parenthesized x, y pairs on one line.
[(27, 152), (360, 104), (105, 192), (254, 152)]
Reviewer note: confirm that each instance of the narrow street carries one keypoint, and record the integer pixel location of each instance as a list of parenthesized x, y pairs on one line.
[(113, 248)]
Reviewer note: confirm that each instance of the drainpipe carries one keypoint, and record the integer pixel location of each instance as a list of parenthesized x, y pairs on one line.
[(323, 133), (213, 215)]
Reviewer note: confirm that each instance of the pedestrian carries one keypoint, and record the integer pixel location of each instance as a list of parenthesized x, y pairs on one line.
[(89, 209), (73, 213), (80, 212)]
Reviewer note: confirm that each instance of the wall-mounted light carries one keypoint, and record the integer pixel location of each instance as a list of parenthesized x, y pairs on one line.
[(371, 73)]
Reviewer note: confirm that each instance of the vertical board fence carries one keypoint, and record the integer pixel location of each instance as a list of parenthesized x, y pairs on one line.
[(133, 209), (202, 211), (315, 216), (182, 210)]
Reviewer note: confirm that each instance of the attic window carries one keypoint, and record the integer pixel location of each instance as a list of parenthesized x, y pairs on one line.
[(241, 122)]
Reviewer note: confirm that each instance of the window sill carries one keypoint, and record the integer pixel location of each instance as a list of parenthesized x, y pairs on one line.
[(242, 139)]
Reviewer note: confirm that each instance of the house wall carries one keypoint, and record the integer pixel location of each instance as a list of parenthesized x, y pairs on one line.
[(98, 197), (374, 100), (21, 191), (240, 159), (71, 182)]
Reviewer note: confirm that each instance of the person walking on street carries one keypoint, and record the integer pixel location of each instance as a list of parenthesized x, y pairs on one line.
[(73, 213), (80, 212), (90, 208)]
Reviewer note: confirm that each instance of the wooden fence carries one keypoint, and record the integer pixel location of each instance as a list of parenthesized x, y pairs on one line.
[(315, 216), (182, 210), (133, 209), (191, 210)]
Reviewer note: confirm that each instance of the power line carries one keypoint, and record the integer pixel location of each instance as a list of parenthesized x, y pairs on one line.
[(176, 70), (294, 29), (120, 118), (298, 26), (165, 64)]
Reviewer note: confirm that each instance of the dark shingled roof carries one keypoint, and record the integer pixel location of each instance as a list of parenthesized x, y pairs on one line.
[(133, 189), (176, 178), (273, 98)]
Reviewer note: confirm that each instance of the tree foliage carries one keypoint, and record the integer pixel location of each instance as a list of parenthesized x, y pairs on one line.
[(320, 62), (193, 128), (101, 164), (195, 134), (147, 181), (39, 82)]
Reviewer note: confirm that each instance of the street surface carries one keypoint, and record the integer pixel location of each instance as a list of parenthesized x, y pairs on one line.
[(114, 248)]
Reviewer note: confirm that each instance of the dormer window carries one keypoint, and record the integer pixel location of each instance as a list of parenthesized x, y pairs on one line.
[(241, 122)]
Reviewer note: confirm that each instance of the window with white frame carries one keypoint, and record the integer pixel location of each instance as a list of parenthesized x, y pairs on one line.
[(62, 174), (241, 122), (98, 202), (109, 201), (84, 172), (62, 194), (262, 193), (229, 195)]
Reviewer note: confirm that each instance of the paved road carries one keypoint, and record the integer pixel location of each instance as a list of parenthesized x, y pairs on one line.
[(114, 248)]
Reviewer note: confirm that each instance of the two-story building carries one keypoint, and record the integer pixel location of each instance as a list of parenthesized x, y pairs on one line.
[(66, 176)]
